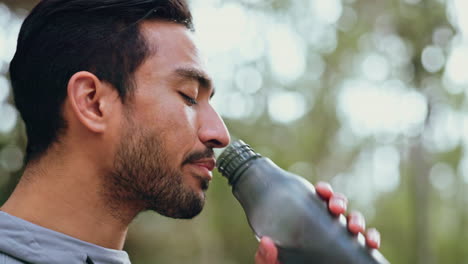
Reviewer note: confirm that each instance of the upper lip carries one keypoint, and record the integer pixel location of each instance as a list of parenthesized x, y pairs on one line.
[(209, 163)]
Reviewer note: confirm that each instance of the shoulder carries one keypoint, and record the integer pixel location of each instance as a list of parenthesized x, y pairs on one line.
[(6, 259)]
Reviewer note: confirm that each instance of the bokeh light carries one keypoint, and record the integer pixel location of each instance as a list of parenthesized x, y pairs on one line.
[(11, 158), (433, 59), (386, 168), (286, 106), (456, 65), (463, 168), (248, 80), (375, 67), (4, 88), (286, 53), (444, 133), (326, 12), (8, 118), (386, 108), (442, 177)]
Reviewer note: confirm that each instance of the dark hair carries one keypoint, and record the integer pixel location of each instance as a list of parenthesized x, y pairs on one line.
[(62, 37)]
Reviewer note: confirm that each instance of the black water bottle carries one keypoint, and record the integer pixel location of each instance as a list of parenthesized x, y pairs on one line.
[(285, 207)]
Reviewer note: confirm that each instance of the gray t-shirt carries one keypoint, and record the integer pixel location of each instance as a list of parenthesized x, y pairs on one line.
[(24, 242)]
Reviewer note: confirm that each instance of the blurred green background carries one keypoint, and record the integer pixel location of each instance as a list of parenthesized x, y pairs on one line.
[(369, 95)]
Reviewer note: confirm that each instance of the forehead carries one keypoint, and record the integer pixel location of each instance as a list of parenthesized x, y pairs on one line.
[(172, 45)]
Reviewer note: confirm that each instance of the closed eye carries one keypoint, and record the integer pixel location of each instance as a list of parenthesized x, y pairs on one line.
[(191, 101)]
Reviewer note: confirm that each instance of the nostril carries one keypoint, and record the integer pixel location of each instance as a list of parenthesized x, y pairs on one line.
[(214, 143)]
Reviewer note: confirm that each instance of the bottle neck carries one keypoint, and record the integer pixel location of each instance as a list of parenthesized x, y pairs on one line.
[(235, 160)]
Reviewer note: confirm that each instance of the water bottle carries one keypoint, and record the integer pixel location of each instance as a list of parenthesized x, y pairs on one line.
[(285, 207)]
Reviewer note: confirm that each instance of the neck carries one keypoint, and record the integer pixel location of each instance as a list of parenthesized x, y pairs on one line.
[(66, 195)]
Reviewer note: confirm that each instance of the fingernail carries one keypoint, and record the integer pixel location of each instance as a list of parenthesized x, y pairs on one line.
[(374, 236), (324, 185), (359, 221), (338, 202)]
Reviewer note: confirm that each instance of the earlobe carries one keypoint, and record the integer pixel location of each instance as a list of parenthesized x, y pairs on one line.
[(86, 96)]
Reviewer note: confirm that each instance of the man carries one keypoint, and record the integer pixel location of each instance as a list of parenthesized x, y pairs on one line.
[(117, 109)]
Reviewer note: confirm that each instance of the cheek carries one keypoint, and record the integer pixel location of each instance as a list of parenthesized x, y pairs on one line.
[(174, 121), (180, 133), (184, 125), (180, 123), (191, 118)]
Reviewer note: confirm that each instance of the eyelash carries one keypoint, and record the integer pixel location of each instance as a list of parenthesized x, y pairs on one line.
[(189, 99)]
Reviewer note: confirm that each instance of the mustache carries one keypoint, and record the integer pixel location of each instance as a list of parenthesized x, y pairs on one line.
[(198, 155)]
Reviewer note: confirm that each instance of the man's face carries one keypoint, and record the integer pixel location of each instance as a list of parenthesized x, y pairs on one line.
[(164, 156)]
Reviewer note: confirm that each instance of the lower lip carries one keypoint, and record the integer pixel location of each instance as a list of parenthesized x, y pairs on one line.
[(203, 171)]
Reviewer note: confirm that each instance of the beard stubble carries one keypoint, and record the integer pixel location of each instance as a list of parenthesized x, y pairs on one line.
[(143, 178)]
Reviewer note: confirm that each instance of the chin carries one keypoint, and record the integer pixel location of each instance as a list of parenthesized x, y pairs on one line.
[(184, 208), (188, 214)]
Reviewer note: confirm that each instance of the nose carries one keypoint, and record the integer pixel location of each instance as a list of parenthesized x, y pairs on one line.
[(212, 131)]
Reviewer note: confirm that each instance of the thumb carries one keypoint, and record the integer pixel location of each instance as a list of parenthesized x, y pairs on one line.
[(267, 252)]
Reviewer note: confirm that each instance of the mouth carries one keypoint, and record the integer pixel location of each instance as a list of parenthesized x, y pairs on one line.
[(204, 167)]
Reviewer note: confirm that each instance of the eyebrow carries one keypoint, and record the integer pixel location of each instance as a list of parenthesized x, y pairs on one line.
[(197, 75)]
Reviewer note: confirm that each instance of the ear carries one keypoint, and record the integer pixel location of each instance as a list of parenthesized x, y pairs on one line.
[(91, 100)]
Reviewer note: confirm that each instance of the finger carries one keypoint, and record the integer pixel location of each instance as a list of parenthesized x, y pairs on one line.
[(267, 252), (338, 204), (373, 238), (356, 222), (324, 190)]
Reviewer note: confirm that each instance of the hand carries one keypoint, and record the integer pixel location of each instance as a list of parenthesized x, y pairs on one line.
[(267, 252)]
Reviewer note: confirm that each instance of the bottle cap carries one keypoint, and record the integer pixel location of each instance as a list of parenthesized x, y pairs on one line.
[(233, 157)]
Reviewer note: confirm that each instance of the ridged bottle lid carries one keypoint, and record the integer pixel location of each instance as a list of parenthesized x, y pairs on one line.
[(233, 157)]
